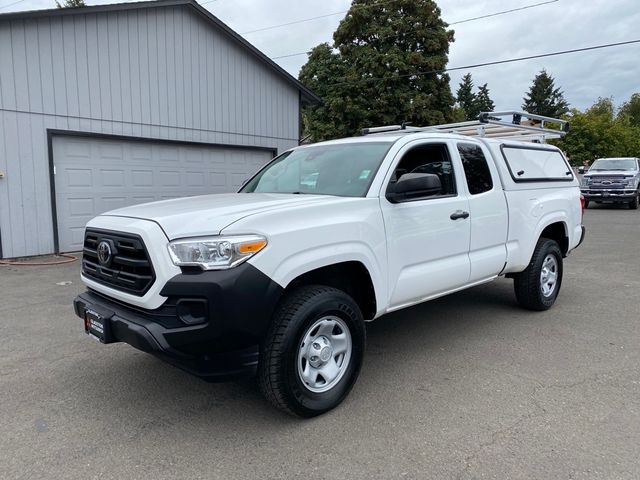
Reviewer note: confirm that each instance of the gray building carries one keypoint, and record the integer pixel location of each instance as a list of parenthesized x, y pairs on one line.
[(107, 106)]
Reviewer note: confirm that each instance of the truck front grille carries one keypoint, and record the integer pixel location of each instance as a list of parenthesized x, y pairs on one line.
[(127, 268), (608, 182)]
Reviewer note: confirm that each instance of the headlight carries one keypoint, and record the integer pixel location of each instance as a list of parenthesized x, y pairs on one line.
[(215, 253), (586, 181), (632, 182)]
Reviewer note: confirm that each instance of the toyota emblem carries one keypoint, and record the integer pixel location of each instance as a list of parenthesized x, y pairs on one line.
[(104, 253)]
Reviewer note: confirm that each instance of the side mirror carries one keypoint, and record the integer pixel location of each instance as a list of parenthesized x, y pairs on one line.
[(582, 169), (412, 186)]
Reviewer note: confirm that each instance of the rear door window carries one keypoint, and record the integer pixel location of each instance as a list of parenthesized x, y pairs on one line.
[(476, 169), (531, 164)]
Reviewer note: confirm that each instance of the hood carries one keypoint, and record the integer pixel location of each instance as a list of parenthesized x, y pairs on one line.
[(612, 173), (210, 214)]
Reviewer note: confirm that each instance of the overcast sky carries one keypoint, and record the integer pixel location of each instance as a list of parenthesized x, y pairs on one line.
[(565, 24)]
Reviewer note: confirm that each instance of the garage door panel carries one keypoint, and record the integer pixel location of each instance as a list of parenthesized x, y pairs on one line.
[(112, 178), (77, 236), (109, 151), (81, 207), (193, 155), (143, 199), (217, 179), (195, 179), (79, 177), (141, 152), (213, 157), (166, 154), (78, 149), (169, 178), (96, 175), (142, 178)]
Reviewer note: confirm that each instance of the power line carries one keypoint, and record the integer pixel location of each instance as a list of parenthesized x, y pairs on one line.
[(290, 55), (291, 23), (11, 4), (376, 4), (390, 1), (525, 7), (487, 64), (495, 14)]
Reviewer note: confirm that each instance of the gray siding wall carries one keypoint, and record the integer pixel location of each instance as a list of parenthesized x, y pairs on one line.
[(160, 73)]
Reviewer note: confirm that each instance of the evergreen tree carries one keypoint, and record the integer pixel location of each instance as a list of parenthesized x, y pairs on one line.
[(382, 72), (483, 102), (465, 96), (544, 98)]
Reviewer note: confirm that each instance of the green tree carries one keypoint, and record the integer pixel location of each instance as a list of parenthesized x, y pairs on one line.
[(458, 114), (338, 111), (483, 102), (604, 108), (631, 109), (544, 98), (465, 96), (70, 3), (598, 132), (383, 68)]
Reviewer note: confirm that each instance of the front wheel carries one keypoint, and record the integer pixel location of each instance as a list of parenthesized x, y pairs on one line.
[(633, 204), (586, 204), (538, 286), (313, 351)]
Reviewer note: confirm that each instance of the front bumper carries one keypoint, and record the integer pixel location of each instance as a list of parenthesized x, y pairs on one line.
[(139, 332), (223, 344), (612, 195)]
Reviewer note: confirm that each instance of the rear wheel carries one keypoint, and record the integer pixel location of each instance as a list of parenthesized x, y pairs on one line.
[(313, 351), (633, 204), (538, 286)]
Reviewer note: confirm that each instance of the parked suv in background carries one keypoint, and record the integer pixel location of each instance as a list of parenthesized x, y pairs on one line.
[(613, 180)]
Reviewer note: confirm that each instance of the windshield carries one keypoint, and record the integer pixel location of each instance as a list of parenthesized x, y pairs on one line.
[(345, 170), (614, 164)]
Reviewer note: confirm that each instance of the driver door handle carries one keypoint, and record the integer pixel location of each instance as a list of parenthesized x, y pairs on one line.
[(459, 214)]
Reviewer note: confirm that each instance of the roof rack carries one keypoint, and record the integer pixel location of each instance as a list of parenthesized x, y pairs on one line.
[(521, 126)]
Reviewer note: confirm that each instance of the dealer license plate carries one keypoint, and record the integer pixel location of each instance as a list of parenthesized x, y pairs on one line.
[(97, 326)]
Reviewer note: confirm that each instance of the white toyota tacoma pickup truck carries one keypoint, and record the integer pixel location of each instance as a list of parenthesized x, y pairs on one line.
[(280, 278)]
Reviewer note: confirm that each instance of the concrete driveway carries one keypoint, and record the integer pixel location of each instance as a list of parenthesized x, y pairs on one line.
[(468, 386)]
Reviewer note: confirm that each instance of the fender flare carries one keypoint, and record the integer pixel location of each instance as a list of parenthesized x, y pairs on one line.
[(545, 221), (305, 261)]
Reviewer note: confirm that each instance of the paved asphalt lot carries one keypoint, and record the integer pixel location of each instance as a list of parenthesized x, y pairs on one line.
[(468, 386)]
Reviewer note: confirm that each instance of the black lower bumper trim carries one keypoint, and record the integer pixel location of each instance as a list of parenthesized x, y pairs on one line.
[(125, 325)]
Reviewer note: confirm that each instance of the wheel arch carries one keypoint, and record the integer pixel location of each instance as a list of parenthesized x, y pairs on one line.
[(554, 227), (351, 277), (559, 232)]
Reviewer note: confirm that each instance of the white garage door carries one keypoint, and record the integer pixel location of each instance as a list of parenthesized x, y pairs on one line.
[(95, 175)]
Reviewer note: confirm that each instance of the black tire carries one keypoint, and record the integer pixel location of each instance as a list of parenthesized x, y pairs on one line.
[(633, 204), (586, 204), (528, 284), (278, 376)]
